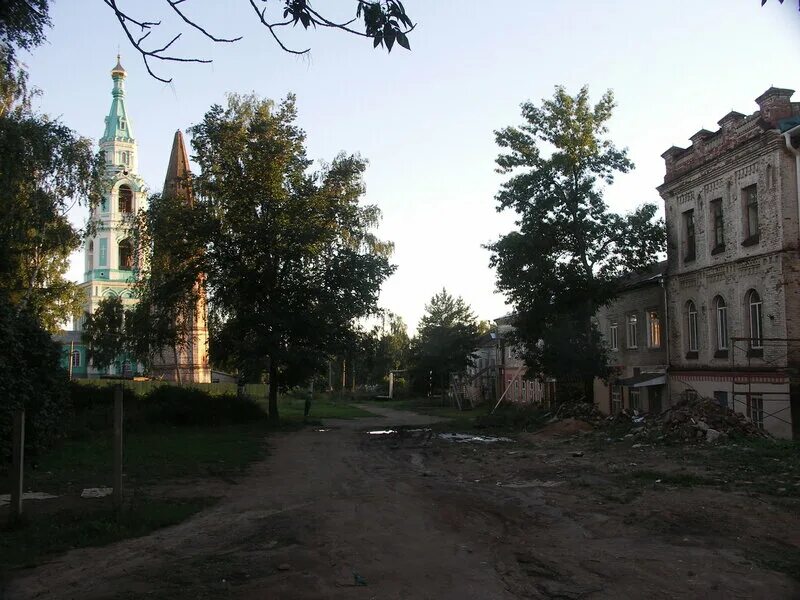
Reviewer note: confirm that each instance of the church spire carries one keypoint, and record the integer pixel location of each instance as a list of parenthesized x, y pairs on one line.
[(118, 126), (177, 183)]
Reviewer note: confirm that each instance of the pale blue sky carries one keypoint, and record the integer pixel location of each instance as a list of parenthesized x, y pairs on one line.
[(425, 118)]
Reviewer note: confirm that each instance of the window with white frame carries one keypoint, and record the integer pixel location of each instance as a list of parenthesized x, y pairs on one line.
[(76, 358), (633, 339), (653, 329), (616, 399), (721, 310), (613, 335), (755, 409), (691, 326), (756, 320)]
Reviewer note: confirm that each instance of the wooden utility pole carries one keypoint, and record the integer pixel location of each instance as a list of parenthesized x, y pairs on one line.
[(118, 448), (17, 462)]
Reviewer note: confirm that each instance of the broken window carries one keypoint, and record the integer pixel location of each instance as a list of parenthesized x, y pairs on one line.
[(756, 323), (689, 233), (722, 323), (691, 326), (718, 225), (750, 195)]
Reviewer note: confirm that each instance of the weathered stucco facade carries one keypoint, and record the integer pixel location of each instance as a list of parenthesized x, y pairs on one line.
[(733, 234), (634, 331)]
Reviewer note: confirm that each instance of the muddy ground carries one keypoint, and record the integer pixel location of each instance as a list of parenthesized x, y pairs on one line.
[(334, 512)]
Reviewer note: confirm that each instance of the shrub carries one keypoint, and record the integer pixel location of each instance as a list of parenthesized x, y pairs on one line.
[(165, 404), (175, 405), (32, 378)]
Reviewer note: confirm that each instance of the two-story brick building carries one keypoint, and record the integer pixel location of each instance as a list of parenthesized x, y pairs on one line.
[(635, 335), (732, 208)]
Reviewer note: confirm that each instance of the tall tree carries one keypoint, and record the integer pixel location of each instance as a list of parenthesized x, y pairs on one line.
[(104, 333), (45, 168), (447, 337), (565, 258), (292, 261), (170, 239)]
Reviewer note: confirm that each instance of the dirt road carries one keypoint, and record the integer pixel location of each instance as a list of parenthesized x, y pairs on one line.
[(339, 513)]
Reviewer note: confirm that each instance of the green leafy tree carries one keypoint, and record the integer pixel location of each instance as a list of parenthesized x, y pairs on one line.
[(291, 261), (565, 258), (447, 338), (170, 240), (104, 333), (45, 169)]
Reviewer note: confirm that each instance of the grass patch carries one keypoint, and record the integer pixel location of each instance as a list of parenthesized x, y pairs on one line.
[(292, 407), (152, 455), (29, 542)]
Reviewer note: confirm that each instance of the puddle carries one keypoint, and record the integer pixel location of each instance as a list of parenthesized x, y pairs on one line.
[(99, 492), (6, 498), (470, 438), (382, 432)]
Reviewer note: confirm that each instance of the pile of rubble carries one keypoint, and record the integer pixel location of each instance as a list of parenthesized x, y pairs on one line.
[(586, 411), (700, 419)]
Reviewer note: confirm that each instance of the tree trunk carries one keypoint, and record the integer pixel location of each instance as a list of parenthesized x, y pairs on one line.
[(274, 418), (177, 368)]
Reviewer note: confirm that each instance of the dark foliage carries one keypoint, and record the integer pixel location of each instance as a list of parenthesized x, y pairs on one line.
[(165, 405), (30, 379)]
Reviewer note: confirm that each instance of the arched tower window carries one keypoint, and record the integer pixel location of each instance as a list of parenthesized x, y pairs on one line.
[(125, 199), (691, 326), (125, 255), (90, 256), (756, 319), (721, 310)]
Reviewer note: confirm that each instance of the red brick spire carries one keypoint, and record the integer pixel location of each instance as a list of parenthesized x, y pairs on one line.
[(178, 182)]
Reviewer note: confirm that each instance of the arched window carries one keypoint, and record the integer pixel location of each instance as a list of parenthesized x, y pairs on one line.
[(125, 255), (125, 199), (691, 326), (756, 319), (721, 310), (90, 256)]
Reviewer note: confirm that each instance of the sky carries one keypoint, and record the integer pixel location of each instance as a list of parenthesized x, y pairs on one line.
[(425, 119)]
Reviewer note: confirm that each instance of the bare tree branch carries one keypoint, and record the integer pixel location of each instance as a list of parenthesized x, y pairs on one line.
[(146, 26), (188, 21), (385, 22)]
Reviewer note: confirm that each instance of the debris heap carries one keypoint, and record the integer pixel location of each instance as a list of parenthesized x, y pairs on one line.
[(700, 419)]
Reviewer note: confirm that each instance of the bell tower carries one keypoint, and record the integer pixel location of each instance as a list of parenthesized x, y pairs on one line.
[(110, 268)]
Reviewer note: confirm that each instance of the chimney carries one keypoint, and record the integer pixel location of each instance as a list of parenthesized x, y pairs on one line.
[(669, 159), (775, 105)]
